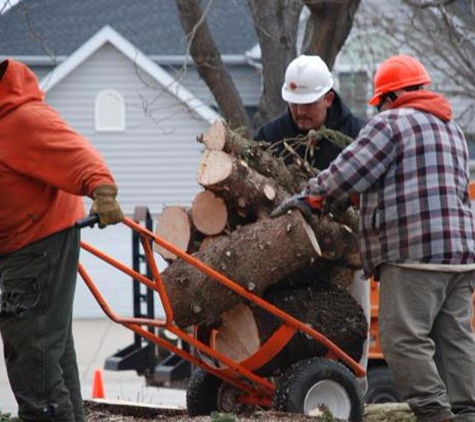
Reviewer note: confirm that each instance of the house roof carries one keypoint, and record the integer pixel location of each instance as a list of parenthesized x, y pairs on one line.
[(59, 27), (109, 35)]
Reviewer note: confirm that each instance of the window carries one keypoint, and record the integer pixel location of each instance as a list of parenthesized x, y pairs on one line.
[(110, 111)]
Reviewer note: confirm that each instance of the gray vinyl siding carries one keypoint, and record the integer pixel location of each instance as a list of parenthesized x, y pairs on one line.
[(154, 161), (247, 80)]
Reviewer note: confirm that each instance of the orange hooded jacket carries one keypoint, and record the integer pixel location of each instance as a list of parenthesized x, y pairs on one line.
[(45, 166)]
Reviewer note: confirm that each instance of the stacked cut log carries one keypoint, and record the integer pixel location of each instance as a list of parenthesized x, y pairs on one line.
[(303, 267)]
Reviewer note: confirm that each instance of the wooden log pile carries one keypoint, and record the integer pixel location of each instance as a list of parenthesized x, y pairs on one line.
[(304, 267)]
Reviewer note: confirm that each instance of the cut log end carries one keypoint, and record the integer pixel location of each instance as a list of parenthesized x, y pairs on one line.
[(215, 166), (209, 213), (238, 336), (173, 225), (215, 137), (269, 192)]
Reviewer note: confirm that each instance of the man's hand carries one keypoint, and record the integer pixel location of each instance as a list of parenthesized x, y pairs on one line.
[(304, 203), (106, 206)]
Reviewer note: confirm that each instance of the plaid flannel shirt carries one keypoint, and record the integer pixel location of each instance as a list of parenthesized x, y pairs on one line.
[(411, 170)]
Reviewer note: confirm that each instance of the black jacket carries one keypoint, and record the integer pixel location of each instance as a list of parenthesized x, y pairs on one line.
[(338, 118)]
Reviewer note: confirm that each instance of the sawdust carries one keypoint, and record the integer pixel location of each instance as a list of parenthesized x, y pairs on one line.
[(387, 412), (99, 411)]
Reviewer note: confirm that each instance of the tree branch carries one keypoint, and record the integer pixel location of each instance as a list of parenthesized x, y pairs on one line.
[(208, 62)]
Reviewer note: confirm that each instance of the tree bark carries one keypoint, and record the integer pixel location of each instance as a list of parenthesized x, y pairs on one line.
[(339, 243), (329, 20), (254, 256), (220, 138), (276, 24), (328, 308), (244, 190), (208, 62)]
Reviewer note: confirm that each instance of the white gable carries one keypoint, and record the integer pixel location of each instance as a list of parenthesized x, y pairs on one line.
[(109, 35)]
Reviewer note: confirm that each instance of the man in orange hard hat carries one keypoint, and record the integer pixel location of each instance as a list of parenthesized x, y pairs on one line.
[(410, 166)]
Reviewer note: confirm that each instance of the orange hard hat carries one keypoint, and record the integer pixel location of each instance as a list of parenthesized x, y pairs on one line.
[(398, 72)]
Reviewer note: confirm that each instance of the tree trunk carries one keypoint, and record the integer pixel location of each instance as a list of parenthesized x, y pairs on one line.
[(255, 256), (276, 23), (339, 243), (244, 190), (329, 20), (220, 138), (329, 309), (208, 62)]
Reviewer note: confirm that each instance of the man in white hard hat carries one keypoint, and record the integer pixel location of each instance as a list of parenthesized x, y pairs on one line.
[(313, 103)]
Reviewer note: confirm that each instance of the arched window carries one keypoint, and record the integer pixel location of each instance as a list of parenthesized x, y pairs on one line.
[(110, 111)]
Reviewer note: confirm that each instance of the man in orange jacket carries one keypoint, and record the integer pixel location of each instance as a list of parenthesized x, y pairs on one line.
[(45, 169)]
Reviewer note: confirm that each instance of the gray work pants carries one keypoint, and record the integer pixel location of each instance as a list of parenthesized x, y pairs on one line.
[(425, 321), (37, 290), (360, 290)]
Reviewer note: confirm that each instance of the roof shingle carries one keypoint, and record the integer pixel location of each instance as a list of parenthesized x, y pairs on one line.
[(59, 27)]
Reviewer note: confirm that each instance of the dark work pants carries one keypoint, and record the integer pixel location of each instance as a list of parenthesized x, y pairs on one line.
[(37, 290)]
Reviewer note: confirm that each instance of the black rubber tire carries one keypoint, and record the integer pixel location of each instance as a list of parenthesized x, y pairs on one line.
[(381, 386), (296, 382), (202, 393)]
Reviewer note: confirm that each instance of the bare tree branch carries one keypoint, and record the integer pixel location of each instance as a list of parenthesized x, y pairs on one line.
[(35, 34), (441, 34), (426, 4)]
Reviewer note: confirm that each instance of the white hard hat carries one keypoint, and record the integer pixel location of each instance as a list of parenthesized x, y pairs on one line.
[(307, 79)]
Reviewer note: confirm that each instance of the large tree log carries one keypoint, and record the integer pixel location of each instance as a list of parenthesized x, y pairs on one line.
[(258, 255), (255, 256), (245, 190), (338, 242), (328, 308), (220, 138)]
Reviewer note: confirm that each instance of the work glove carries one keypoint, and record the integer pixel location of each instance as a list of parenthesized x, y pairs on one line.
[(337, 206), (106, 206), (306, 204)]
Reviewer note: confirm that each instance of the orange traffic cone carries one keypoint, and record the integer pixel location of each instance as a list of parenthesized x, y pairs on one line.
[(97, 385)]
